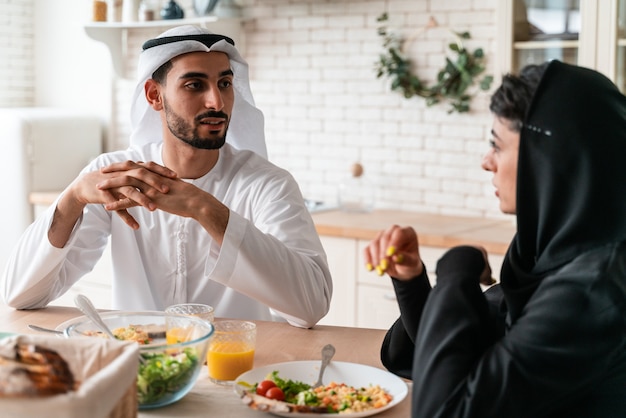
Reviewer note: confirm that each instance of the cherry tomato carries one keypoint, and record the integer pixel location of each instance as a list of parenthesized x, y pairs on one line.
[(263, 386), (275, 393)]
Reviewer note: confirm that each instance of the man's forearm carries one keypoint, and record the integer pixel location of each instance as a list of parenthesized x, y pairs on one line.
[(66, 213)]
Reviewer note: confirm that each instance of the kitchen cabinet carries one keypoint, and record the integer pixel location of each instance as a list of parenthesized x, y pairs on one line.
[(96, 285), (589, 33), (362, 298), (342, 261), (376, 301), (115, 35)]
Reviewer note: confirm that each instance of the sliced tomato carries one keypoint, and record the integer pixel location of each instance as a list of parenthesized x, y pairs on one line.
[(263, 386)]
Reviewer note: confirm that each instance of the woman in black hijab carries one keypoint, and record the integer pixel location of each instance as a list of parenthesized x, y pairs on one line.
[(550, 339)]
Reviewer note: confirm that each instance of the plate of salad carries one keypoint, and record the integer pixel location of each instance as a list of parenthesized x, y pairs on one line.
[(349, 389)]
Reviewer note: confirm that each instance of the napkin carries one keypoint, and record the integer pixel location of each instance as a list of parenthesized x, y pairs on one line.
[(105, 369)]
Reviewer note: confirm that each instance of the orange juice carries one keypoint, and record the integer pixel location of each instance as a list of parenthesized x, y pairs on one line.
[(228, 359), (178, 335)]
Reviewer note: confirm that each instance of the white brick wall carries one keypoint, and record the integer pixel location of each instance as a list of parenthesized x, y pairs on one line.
[(312, 69), (16, 53), (312, 64)]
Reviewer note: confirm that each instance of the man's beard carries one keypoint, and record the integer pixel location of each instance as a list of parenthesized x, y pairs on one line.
[(188, 134)]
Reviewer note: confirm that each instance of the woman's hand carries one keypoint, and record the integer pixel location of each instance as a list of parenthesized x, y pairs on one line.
[(396, 252), (486, 277)]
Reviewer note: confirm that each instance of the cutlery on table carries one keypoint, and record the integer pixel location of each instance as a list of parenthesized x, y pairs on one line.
[(83, 303), (327, 353), (42, 329)]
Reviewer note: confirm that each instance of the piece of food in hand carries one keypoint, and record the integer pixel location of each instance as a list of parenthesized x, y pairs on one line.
[(34, 371), (384, 264)]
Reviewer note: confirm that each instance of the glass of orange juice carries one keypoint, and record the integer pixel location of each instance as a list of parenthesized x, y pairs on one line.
[(231, 350), (177, 333)]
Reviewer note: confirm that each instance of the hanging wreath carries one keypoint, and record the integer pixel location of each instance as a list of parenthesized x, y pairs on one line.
[(453, 80)]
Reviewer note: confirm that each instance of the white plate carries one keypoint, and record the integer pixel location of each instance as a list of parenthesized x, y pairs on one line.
[(352, 374), (115, 319)]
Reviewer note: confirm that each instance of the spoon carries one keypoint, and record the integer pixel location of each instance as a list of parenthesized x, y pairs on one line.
[(42, 329), (83, 303), (327, 353)]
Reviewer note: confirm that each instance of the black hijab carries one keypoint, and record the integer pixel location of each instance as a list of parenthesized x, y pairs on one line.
[(571, 177)]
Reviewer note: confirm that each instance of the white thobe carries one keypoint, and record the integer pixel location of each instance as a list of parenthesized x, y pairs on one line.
[(270, 266)]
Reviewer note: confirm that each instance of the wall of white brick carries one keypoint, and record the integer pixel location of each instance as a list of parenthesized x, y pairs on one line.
[(312, 69), (17, 83), (313, 74)]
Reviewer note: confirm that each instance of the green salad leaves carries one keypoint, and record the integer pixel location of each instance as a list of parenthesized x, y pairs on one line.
[(291, 388), (163, 374)]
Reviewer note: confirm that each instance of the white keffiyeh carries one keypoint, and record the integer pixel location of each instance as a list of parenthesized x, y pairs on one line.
[(246, 129)]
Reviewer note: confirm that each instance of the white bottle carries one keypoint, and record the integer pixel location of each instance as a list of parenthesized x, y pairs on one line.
[(130, 10), (356, 193)]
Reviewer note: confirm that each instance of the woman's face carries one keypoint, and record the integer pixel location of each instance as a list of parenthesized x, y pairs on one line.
[(501, 160)]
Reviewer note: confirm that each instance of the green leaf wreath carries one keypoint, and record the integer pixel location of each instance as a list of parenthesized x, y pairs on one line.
[(453, 81)]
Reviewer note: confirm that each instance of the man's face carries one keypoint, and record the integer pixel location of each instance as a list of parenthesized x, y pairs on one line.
[(198, 98), (501, 160)]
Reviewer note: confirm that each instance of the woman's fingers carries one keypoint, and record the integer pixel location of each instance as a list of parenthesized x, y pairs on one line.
[(394, 251)]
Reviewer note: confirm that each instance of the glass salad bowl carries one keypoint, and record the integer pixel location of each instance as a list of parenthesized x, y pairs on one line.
[(172, 348)]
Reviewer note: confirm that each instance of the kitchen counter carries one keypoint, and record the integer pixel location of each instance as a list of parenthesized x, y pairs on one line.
[(433, 230)]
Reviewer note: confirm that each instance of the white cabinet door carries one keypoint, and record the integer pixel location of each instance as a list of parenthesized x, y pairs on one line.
[(376, 300), (377, 307), (341, 254), (96, 285)]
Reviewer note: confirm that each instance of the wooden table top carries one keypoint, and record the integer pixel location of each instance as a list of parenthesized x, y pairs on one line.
[(277, 342)]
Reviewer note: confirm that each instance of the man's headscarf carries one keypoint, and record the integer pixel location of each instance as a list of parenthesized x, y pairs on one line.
[(246, 129)]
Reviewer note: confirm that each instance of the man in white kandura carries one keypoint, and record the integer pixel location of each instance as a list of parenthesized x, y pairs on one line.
[(194, 214)]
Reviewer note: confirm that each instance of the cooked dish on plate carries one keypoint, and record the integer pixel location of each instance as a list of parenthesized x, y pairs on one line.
[(142, 334), (350, 390)]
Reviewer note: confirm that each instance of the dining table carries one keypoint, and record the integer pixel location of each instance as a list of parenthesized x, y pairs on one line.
[(276, 342)]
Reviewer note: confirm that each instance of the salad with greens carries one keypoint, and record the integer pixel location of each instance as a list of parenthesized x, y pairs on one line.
[(334, 398), (162, 375)]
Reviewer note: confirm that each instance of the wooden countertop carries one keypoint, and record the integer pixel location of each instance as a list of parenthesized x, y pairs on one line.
[(433, 230)]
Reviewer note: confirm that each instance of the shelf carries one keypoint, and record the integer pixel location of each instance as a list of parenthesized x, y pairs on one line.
[(161, 23), (545, 44), (114, 34)]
